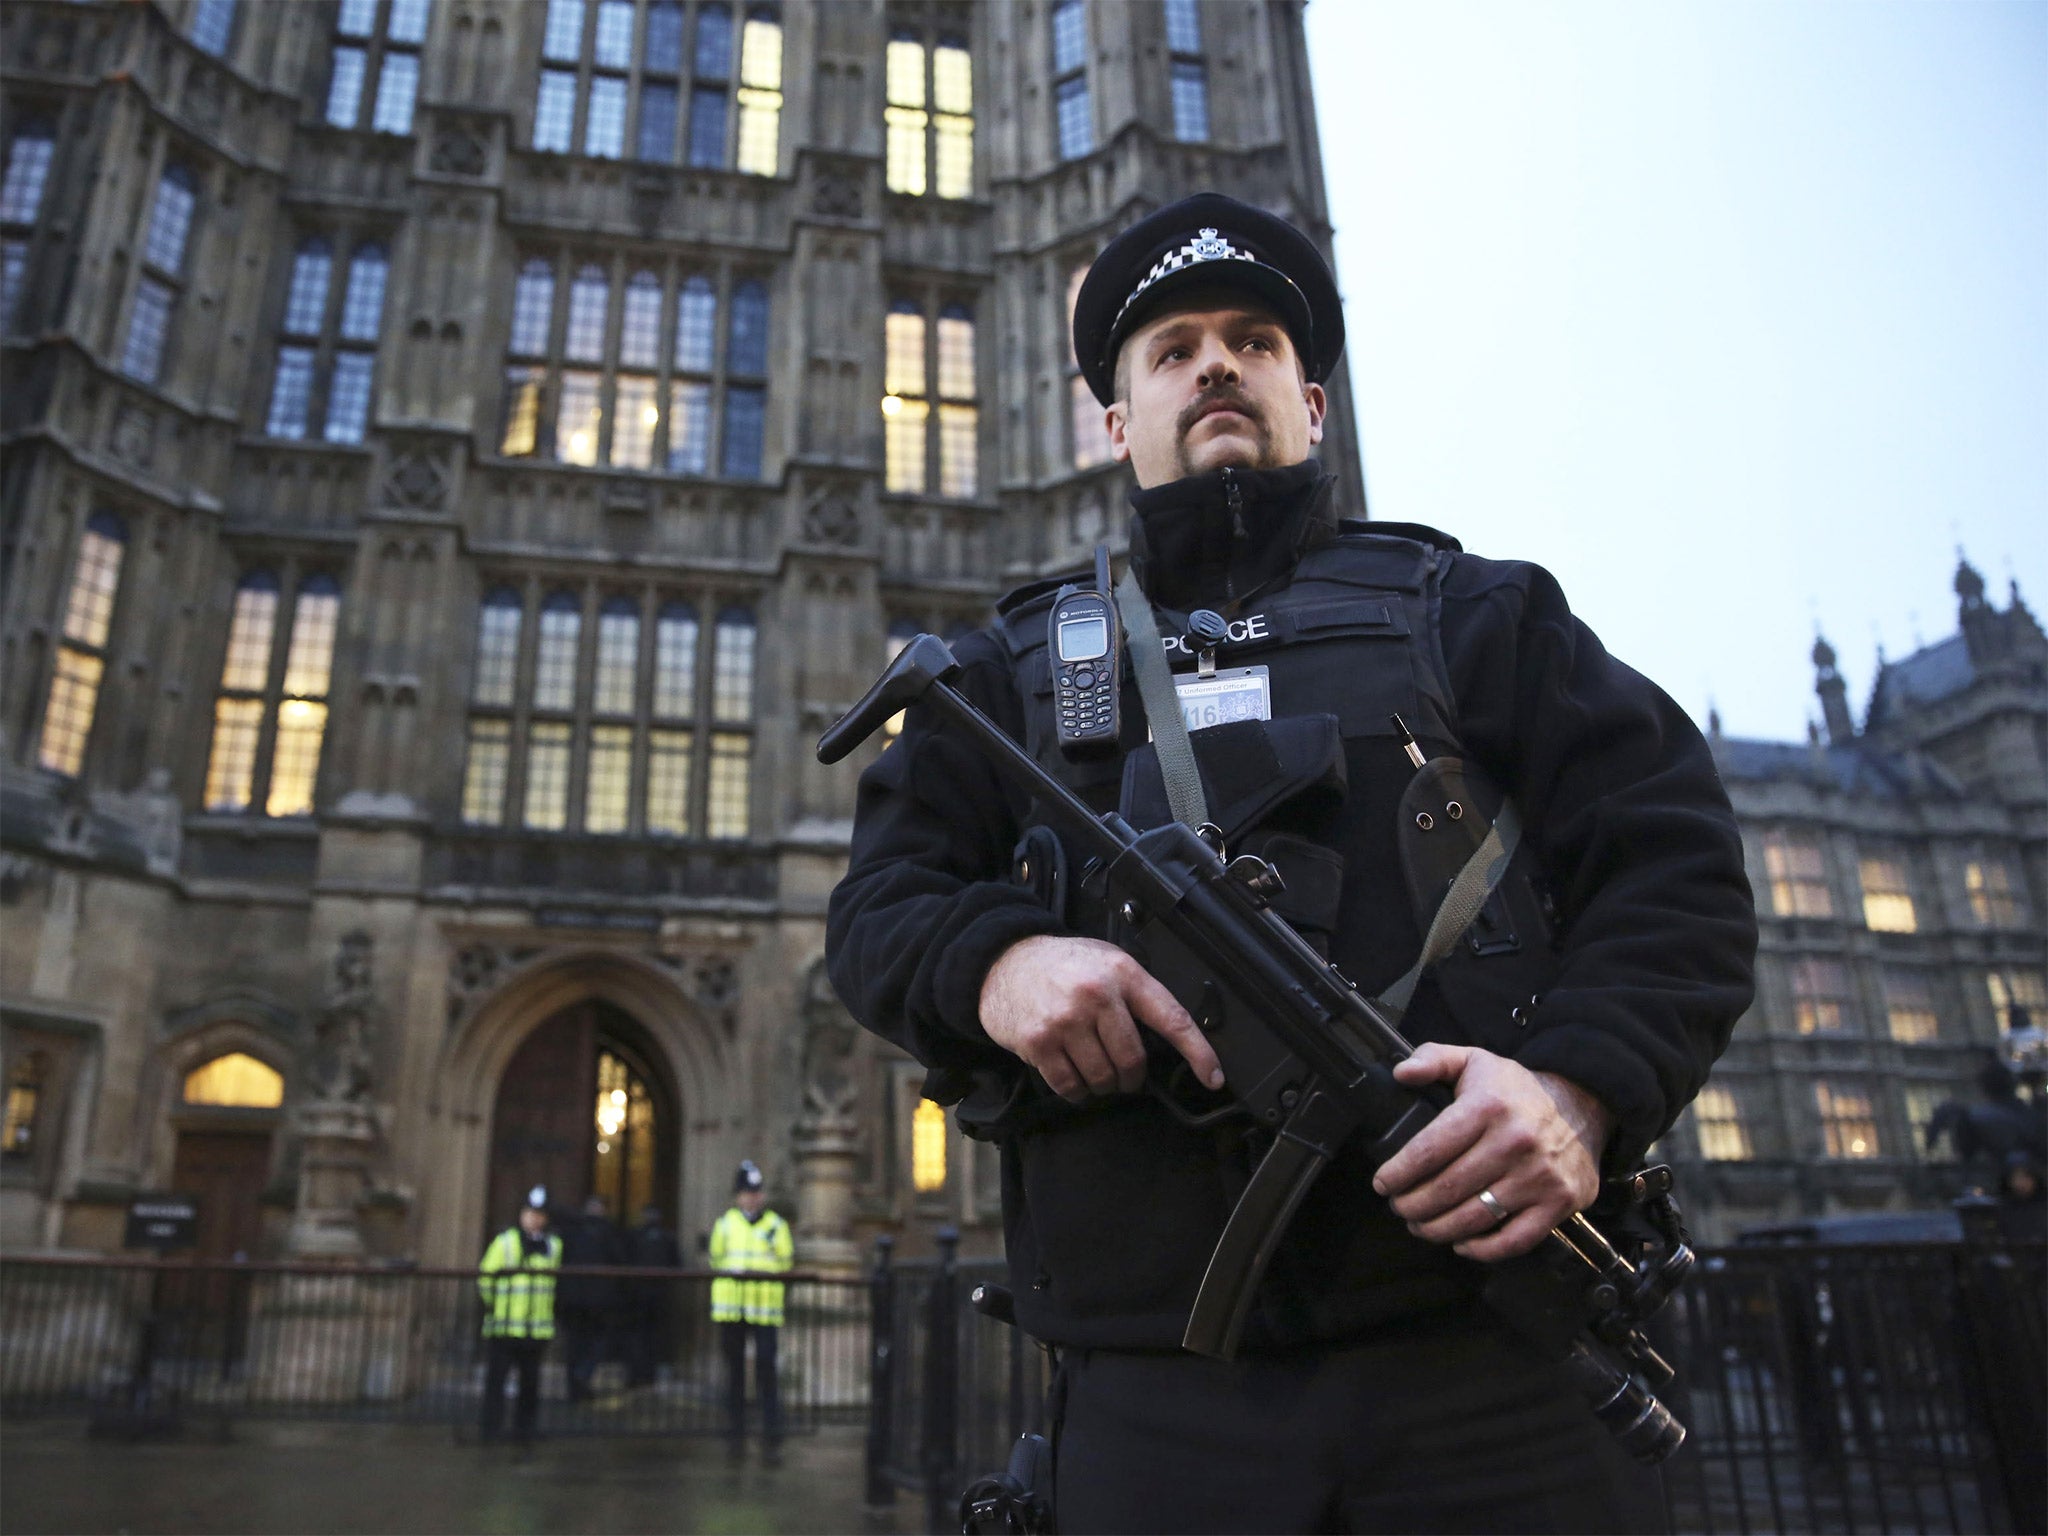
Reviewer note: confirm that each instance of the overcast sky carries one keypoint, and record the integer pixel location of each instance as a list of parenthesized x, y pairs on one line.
[(1733, 315)]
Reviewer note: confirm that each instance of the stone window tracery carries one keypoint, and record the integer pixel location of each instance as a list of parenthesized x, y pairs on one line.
[(633, 403), (921, 361), (929, 116), (328, 352), (273, 692), (380, 62)]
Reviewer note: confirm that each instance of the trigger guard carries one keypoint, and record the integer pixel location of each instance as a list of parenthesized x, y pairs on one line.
[(1182, 1078)]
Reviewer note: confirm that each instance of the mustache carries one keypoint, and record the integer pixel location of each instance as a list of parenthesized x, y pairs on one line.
[(1222, 396)]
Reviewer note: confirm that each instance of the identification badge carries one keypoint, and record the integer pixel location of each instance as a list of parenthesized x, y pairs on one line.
[(1229, 695)]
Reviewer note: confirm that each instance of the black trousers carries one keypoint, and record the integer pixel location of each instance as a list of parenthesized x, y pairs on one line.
[(501, 1356), (767, 1386), (584, 1336), (1447, 1427)]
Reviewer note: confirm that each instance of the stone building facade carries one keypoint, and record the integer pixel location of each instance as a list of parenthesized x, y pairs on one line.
[(458, 456), (1901, 874)]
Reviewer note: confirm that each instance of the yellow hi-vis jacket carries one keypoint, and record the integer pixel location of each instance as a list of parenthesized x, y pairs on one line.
[(743, 1247), (518, 1287)]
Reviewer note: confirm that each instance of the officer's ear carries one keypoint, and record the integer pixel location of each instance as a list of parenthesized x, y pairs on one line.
[(1117, 418), (1318, 404)]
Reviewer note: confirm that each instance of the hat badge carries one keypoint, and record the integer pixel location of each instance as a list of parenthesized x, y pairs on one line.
[(1209, 246)]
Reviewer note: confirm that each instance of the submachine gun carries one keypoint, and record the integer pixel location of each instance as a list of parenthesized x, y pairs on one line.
[(1310, 1058)]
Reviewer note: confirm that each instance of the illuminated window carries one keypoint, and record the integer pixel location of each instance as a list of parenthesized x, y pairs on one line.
[(907, 412), (81, 652), (302, 711), (1796, 866), (928, 120), (622, 1176), (19, 1125), (633, 423), (579, 421), (760, 93), (554, 667), (547, 776), (905, 119), (562, 36), (236, 1080), (1922, 1100), (904, 410), (728, 787), (1848, 1124), (2014, 991), (245, 702), (1887, 895), (485, 772), (522, 412), (608, 778), (1820, 995), (618, 656), (927, 1148), (1718, 1118), (668, 782), (1910, 1012), (732, 667), (1997, 896)]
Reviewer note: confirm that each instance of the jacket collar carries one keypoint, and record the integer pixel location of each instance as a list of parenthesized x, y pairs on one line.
[(1216, 538)]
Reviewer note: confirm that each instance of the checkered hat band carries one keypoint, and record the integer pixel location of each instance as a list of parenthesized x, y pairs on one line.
[(1207, 246)]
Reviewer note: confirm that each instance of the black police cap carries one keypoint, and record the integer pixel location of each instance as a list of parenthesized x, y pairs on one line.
[(1205, 241)]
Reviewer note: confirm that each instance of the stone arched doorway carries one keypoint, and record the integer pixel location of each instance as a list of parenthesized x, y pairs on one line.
[(586, 1106)]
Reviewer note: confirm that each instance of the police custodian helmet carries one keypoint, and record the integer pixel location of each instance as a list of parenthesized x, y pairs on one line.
[(746, 1177), (1206, 241)]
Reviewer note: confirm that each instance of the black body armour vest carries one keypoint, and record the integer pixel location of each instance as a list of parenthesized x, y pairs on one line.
[(1347, 624)]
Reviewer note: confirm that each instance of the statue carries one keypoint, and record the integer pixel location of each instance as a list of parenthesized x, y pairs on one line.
[(829, 1036), (343, 1034)]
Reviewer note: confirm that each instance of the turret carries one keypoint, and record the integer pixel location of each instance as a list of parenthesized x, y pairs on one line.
[(1834, 694)]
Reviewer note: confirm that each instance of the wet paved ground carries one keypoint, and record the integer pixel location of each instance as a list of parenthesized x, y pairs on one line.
[(287, 1477)]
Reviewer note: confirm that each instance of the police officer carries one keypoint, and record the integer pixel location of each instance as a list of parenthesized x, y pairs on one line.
[(749, 1241), (1571, 1024), (516, 1280)]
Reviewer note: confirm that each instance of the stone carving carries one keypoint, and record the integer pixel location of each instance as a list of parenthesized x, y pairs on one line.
[(458, 150), (829, 1086), (836, 196), (832, 520), (344, 1033), (417, 480), (476, 971), (134, 436)]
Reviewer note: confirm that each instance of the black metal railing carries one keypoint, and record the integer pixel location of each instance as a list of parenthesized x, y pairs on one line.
[(1867, 1388), (1874, 1388), (141, 1342)]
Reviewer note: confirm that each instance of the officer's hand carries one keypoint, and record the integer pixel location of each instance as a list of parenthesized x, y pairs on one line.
[(1070, 1008), (1532, 1138)]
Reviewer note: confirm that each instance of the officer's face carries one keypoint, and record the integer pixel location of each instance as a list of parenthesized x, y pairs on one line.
[(532, 1220), (751, 1201), (1214, 382)]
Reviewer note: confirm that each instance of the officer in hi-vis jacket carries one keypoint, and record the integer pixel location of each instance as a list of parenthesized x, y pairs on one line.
[(748, 1243)]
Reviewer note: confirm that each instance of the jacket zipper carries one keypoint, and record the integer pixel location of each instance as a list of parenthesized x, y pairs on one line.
[(1233, 498)]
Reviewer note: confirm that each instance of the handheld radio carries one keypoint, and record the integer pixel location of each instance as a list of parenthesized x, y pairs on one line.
[(1087, 656)]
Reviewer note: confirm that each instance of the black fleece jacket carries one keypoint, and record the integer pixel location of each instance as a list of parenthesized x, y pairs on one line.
[(1110, 1220)]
